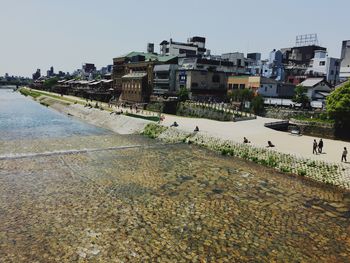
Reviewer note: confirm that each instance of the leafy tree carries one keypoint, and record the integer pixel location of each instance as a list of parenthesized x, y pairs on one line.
[(300, 96), (338, 104), (183, 94), (258, 104), (242, 95), (49, 83)]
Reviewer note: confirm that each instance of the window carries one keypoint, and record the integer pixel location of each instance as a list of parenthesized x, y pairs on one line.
[(270, 86), (332, 72), (235, 86), (242, 86), (322, 63), (194, 85), (230, 86), (265, 89)]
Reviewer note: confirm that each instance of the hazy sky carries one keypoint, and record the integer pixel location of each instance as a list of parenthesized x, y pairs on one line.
[(66, 33)]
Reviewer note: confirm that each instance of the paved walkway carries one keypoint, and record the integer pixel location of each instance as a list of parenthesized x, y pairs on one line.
[(255, 131)]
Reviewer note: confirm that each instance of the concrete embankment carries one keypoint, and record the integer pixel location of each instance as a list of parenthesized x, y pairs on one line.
[(117, 123)]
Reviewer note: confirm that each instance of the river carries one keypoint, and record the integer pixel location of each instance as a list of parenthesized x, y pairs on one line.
[(71, 192)]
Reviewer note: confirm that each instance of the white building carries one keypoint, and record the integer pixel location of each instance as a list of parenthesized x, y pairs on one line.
[(323, 66), (345, 60), (317, 88), (195, 46)]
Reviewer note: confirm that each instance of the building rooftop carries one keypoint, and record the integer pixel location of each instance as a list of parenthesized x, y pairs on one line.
[(311, 82)]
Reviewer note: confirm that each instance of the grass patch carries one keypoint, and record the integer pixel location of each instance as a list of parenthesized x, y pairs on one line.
[(35, 94), (149, 118), (153, 130), (27, 92), (315, 120)]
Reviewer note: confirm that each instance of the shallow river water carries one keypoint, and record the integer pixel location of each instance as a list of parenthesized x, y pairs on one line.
[(82, 194)]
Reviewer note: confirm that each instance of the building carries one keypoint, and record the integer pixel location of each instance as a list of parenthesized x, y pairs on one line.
[(263, 86), (202, 84), (88, 69), (317, 88), (297, 59), (137, 62), (345, 60), (164, 82), (236, 58), (323, 66), (37, 74), (50, 73), (254, 56), (195, 46)]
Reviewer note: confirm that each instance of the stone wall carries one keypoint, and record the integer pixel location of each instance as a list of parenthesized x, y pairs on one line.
[(317, 129), (287, 114)]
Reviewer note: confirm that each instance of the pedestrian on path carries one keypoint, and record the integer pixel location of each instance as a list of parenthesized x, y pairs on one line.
[(345, 153), (320, 146), (314, 147)]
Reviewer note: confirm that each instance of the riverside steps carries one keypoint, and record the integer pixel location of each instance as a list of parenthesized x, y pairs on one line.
[(107, 197)]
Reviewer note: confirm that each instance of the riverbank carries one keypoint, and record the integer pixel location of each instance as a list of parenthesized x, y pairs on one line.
[(291, 154)]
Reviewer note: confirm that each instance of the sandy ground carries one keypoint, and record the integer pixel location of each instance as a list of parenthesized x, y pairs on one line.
[(255, 132)]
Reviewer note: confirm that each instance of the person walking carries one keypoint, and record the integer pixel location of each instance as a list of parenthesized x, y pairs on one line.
[(320, 146), (345, 153), (314, 147)]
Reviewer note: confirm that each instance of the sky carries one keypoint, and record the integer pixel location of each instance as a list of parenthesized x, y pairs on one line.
[(67, 33)]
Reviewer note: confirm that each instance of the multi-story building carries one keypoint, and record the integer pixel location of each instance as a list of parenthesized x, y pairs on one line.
[(345, 60), (263, 86), (323, 66), (202, 84), (50, 73), (164, 82), (297, 59), (195, 46), (205, 78), (143, 64), (37, 74)]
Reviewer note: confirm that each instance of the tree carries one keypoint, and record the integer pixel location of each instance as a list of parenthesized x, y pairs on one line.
[(338, 105), (183, 94), (242, 95), (300, 96), (258, 104), (49, 83)]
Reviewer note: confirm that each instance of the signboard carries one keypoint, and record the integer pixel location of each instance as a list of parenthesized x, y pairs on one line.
[(182, 77)]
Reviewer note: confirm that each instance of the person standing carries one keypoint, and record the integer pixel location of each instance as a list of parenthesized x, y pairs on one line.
[(345, 153), (320, 146), (314, 147)]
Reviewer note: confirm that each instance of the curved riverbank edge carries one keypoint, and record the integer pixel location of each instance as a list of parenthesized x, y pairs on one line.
[(328, 173), (120, 124)]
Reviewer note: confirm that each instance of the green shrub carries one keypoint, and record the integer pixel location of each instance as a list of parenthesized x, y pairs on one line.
[(153, 130)]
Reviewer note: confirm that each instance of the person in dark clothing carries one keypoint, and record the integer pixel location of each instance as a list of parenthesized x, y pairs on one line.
[(320, 146), (245, 140), (174, 124), (314, 147), (196, 129), (269, 144), (345, 153)]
